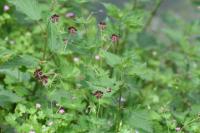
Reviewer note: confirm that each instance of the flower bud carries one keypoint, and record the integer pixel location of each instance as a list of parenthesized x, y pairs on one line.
[(70, 15), (178, 129), (6, 8), (76, 59), (61, 111), (38, 106), (97, 57)]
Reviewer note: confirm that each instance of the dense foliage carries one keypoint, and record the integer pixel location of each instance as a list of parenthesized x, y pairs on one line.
[(64, 68)]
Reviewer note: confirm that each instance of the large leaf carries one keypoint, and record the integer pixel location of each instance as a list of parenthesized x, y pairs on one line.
[(111, 59), (29, 7), (5, 53), (7, 97), (15, 75), (54, 38), (140, 120), (18, 61), (195, 109), (66, 99)]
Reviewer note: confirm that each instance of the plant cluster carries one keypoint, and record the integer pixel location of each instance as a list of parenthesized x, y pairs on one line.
[(65, 68)]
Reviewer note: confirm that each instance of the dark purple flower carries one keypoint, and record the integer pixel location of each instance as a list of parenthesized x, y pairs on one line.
[(72, 30), (102, 25), (38, 74), (115, 38), (54, 18), (44, 79), (98, 94)]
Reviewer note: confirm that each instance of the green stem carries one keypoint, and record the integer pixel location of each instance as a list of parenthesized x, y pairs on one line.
[(153, 13), (45, 39), (68, 42), (98, 108), (119, 110), (134, 4), (166, 124)]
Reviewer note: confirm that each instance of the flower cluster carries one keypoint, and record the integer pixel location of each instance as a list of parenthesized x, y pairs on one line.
[(38, 74), (72, 30)]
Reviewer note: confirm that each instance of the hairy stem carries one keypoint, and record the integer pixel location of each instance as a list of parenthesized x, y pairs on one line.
[(45, 39), (190, 122), (134, 4), (98, 108)]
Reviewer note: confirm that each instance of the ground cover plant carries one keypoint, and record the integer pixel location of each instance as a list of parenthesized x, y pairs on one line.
[(68, 66)]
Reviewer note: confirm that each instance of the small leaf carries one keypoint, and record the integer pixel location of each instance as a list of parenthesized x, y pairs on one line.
[(134, 20), (113, 11)]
